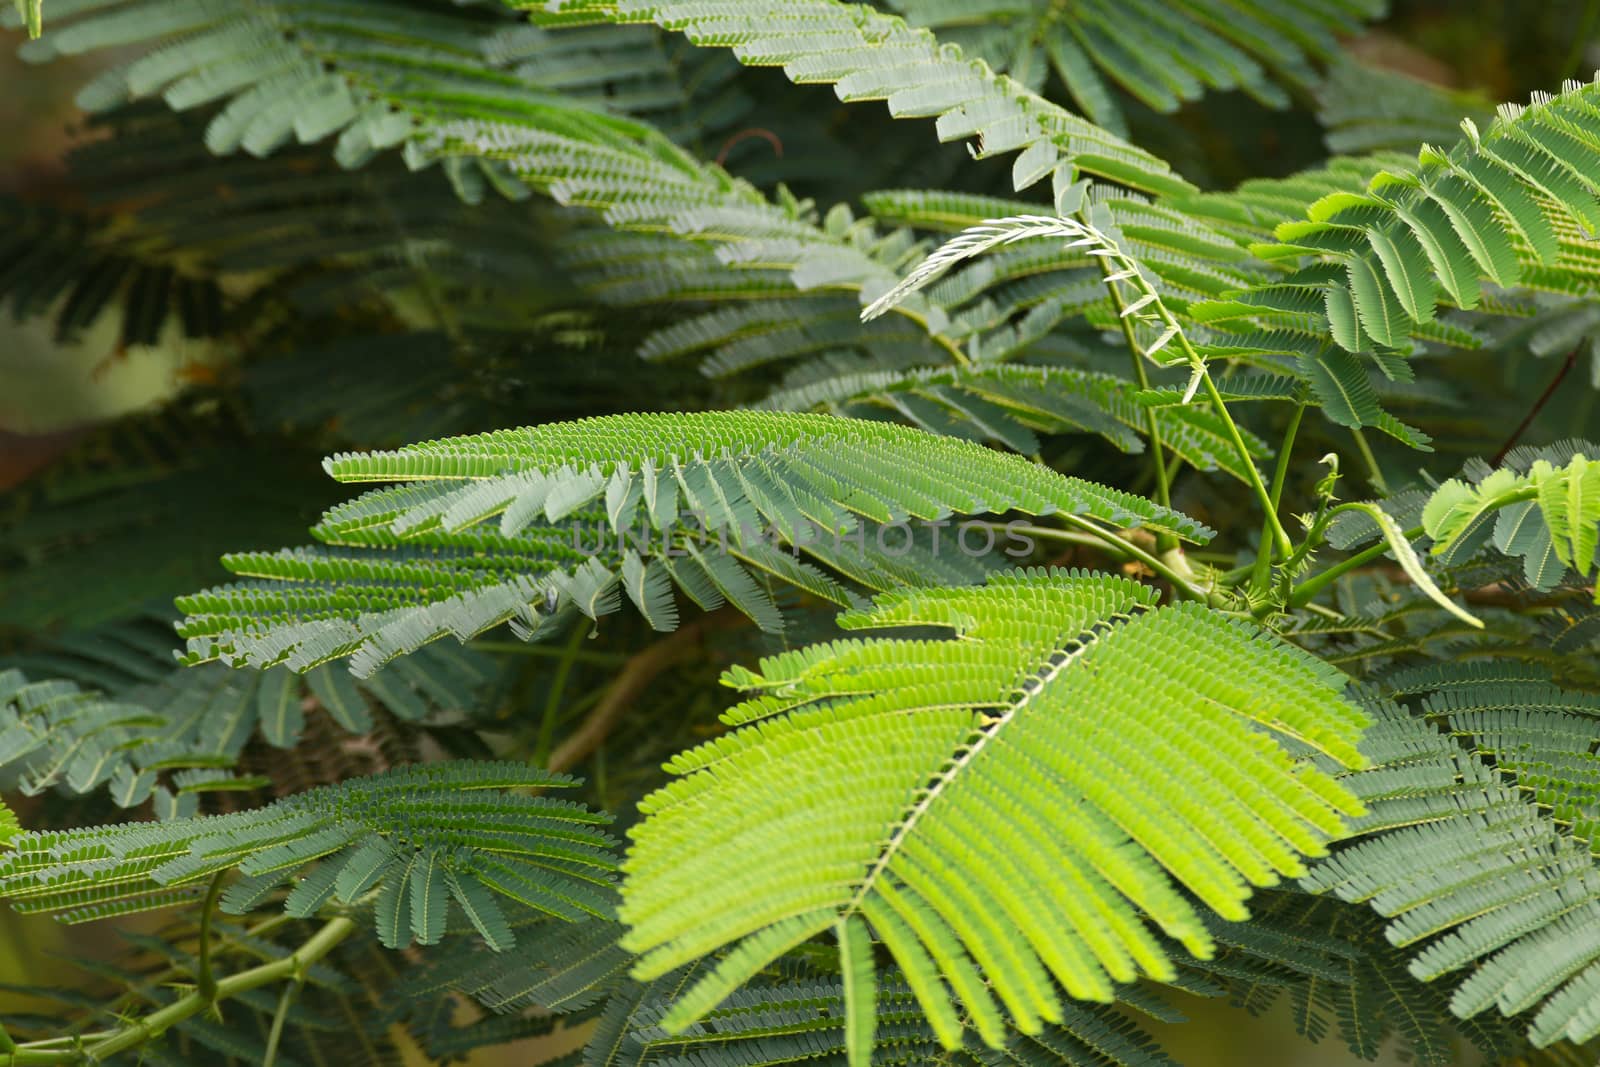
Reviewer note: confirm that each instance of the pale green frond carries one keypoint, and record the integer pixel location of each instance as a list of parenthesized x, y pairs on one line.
[(9, 827), (1478, 869), (423, 559), (902, 761), (1161, 54), (866, 55)]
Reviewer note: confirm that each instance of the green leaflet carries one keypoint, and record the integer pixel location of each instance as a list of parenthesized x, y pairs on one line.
[(200, 719), (1406, 556), (1569, 499), (1406, 268), (278, 703), (860, 989), (1495, 204), (895, 805), (1549, 515)]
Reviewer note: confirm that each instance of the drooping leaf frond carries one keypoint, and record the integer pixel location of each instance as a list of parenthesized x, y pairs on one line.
[(77, 265), (144, 740), (867, 55), (796, 1011), (422, 559), (1366, 108), (1330, 961), (1485, 887), (294, 71), (907, 757), (412, 839), (1010, 403), (1161, 55)]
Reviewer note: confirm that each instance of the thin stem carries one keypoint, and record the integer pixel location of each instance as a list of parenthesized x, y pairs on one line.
[(1374, 472), (1261, 574), (1071, 537), (552, 704), (205, 979), (1110, 539), (152, 1026), (1197, 364), (275, 1035), (1544, 398), (1308, 589), (1166, 541), (1268, 504)]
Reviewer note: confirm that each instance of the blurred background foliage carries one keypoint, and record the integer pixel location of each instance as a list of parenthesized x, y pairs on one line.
[(127, 433)]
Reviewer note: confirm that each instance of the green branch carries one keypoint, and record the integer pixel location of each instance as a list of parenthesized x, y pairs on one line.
[(1166, 542), (1261, 570), (205, 978), (1308, 589), (152, 1026), (1109, 539)]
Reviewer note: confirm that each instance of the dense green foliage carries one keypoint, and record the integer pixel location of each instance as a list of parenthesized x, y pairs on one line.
[(1145, 574)]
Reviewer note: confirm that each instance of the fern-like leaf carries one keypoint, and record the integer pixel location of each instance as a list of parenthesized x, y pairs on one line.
[(1548, 513), (939, 790), (867, 55), (401, 837), (1476, 878), (422, 559)]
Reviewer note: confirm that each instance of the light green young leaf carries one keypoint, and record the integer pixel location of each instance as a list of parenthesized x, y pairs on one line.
[(1569, 498), (935, 791), (1455, 506), (1406, 556)]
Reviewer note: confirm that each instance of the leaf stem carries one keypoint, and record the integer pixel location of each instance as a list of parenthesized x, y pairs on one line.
[(1109, 538), (552, 704), (1374, 472), (1308, 589), (1165, 542), (1269, 504), (205, 978), (139, 1031), (1261, 573), (275, 1035)]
